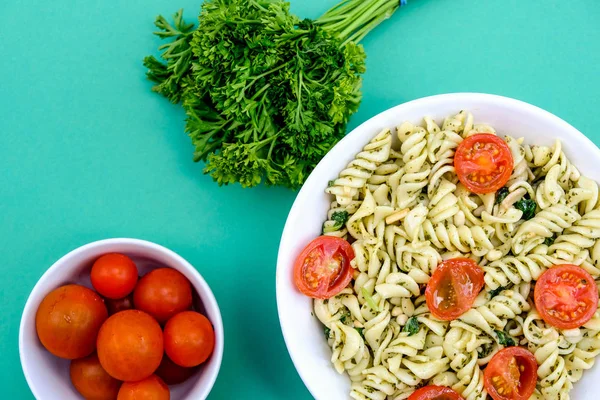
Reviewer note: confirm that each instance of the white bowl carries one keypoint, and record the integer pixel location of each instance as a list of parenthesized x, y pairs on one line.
[(303, 333), (48, 376)]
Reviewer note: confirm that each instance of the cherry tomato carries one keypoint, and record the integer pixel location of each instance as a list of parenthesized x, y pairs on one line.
[(162, 293), (116, 305), (130, 345), (151, 388), (511, 374), (483, 163), (566, 296), (68, 319), (189, 339), (433, 392), (323, 269), (173, 374), (114, 275), (453, 288), (91, 380)]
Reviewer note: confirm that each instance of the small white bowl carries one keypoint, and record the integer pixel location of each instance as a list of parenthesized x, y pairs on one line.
[(302, 331), (48, 376)]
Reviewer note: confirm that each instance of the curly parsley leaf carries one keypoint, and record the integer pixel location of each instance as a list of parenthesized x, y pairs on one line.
[(528, 207), (504, 339), (412, 326), (266, 94)]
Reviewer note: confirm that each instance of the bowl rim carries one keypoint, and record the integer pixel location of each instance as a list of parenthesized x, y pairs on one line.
[(295, 209), (205, 293)]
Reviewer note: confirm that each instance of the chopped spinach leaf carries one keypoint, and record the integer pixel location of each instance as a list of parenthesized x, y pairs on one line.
[(339, 219), (504, 339), (485, 350), (412, 326), (528, 207), (496, 292), (549, 241), (501, 195)]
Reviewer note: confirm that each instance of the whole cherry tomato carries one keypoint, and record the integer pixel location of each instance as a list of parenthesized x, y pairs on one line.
[(114, 275), (162, 293), (172, 373), (91, 380), (151, 388), (189, 339), (68, 319), (130, 345)]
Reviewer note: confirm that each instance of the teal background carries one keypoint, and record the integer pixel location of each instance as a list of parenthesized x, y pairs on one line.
[(88, 152)]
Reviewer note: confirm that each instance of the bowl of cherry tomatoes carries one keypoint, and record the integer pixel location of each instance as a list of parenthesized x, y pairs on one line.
[(121, 319)]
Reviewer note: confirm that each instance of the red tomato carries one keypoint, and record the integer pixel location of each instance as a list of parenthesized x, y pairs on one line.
[(323, 269), (130, 345), (116, 305), (114, 275), (151, 388), (433, 392), (189, 339), (172, 373), (163, 293), (511, 374), (566, 296), (453, 288), (68, 319), (91, 380), (483, 163)]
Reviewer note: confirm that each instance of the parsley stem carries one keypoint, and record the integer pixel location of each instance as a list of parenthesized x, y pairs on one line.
[(352, 20)]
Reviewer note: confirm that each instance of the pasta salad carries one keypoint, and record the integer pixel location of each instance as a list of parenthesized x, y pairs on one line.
[(455, 262)]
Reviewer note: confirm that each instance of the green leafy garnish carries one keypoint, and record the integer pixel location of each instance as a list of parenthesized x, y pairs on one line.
[(412, 326), (370, 301), (346, 319), (549, 241), (360, 332), (266, 94), (327, 331), (339, 219), (485, 350), (495, 292), (528, 207), (504, 339), (501, 195)]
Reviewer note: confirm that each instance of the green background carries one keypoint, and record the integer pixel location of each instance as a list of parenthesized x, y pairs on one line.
[(87, 152)]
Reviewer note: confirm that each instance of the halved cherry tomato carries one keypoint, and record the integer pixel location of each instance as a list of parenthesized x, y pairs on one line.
[(483, 163), (323, 268), (566, 296), (511, 374), (433, 392), (114, 275), (453, 288)]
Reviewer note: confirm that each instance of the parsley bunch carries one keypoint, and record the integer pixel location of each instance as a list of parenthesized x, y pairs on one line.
[(266, 94)]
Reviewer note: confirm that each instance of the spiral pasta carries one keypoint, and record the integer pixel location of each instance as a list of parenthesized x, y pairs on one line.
[(403, 209)]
